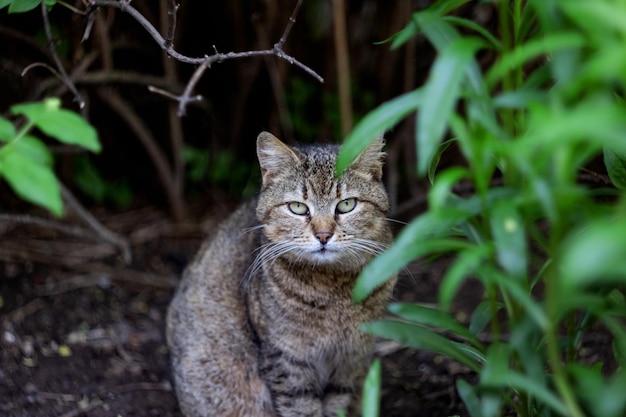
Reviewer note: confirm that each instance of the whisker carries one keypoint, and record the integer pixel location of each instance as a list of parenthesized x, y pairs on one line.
[(389, 219), (251, 229)]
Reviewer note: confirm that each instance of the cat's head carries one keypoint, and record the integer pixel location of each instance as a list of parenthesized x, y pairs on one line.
[(312, 217)]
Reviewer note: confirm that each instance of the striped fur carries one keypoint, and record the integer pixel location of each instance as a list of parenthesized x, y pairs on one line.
[(263, 323)]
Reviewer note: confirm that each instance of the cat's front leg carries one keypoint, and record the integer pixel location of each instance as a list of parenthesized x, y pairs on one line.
[(295, 390), (343, 391)]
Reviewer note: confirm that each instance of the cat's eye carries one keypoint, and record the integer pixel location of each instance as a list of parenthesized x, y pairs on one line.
[(346, 206), (298, 208)]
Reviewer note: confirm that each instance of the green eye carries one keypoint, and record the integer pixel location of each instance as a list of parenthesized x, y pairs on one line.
[(298, 208), (346, 206)]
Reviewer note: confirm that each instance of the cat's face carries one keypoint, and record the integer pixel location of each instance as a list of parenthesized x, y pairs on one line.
[(310, 217)]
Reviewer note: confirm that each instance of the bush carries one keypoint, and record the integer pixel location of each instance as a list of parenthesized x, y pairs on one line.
[(549, 251), (25, 161)]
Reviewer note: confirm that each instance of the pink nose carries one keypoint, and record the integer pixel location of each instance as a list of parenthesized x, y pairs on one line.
[(323, 237)]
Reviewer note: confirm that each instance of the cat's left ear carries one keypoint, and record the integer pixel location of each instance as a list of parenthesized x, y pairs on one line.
[(274, 156), (370, 162)]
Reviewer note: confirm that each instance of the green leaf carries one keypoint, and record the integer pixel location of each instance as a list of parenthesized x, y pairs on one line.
[(441, 93), (422, 338), (459, 21), (507, 227), (432, 317), (532, 49), (441, 191), (371, 390), (616, 166), (464, 266), (7, 130), (5, 3), (32, 181), (419, 238), (21, 6), (519, 291), (605, 398), (32, 148), (375, 123), (497, 374), (63, 125), (481, 316), (469, 397), (596, 255), (434, 162)]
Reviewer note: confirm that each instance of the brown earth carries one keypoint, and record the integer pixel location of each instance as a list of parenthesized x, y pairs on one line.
[(82, 333)]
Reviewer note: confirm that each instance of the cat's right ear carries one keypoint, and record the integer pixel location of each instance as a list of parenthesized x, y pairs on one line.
[(274, 156)]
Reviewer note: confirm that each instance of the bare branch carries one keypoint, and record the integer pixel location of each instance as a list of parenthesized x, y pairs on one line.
[(292, 20), (172, 8), (206, 61), (104, 233), (78, 97)]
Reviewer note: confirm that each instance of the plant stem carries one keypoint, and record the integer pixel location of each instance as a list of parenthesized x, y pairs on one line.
[(553, 294)]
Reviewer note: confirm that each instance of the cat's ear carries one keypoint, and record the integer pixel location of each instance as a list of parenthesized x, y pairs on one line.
[(274, 156), (370, 161)]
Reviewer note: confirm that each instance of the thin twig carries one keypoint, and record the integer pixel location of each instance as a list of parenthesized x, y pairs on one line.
[(172, 8), (64, 77), (206, 61), (46, 223), (168, 22), (106, 234)]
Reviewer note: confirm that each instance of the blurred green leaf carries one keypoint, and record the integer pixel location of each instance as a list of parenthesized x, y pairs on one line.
[(441, 191), (507, 227), (603, 398), (498, 374), (371, 390), (419, 238), (462, 268), (21, 6), (481, 316), (421, 338), (31, 180), (434, 162), (63, 125), (596, 255), (374, 124), (33, 148), (470, 398), (530, 50), (7, 130), (616, 166), (441, 93), (433, 317), (470, 24)]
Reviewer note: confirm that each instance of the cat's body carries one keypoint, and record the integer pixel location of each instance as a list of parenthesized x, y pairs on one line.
[(263, 323)]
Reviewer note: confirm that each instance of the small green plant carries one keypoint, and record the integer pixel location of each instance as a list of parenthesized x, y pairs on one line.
[(549, 251), (25, 161)]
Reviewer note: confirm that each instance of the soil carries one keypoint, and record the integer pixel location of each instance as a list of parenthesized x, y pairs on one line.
[(82, 333)]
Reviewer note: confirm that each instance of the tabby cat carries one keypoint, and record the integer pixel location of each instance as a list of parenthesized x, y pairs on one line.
[(263, 323)]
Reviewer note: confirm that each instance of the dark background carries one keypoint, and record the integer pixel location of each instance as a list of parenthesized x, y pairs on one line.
[(82, 328), (240, 98)]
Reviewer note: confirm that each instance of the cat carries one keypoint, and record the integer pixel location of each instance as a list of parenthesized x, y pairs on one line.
[(263, 324)]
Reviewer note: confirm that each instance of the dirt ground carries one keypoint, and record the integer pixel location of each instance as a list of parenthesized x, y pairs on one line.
[(82, 333)]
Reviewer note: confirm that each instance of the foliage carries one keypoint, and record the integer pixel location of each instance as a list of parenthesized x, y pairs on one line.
[(549, 251), (21, 6), (25, 161), (99, 189)]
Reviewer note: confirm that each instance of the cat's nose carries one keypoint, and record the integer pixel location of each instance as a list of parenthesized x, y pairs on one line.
[(323, 237)]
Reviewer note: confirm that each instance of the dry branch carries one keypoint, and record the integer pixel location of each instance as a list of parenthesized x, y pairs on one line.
[(206, 61)]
